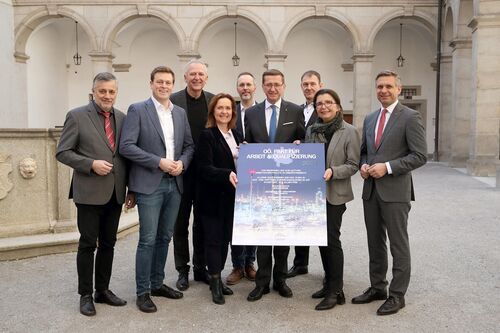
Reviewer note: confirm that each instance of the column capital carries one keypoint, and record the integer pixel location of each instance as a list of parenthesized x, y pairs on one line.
[(491, 21), (363, 57), (186, 56), (21, 57), (276, 57), (101, 56), (461, 43)]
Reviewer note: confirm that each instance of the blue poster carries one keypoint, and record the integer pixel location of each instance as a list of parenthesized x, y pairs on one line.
[(280, 196)]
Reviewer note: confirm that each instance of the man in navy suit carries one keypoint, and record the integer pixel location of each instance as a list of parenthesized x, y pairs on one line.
[(310, 83), (243, 257), (157, 139), (272, 121), (393, 145)]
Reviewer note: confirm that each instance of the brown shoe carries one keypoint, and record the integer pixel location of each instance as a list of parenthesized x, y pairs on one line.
[(235, 276), (250, 272)]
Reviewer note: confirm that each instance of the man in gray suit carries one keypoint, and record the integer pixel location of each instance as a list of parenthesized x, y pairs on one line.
[(157, 140), (89, 145), (272, 121), (195, 101), (393, 145)]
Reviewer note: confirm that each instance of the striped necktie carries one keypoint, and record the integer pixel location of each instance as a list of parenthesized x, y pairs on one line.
[(108, 129)]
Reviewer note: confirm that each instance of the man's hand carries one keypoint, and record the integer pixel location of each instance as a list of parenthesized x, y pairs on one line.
[(328, 174), (167, 165), (363, 171), (130, 200), (297, 142), (102, 168), (178, 167), (233, 179), (377, 170)]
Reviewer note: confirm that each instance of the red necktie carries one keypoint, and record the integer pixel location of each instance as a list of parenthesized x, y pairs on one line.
[(380, 128), (109, 129)]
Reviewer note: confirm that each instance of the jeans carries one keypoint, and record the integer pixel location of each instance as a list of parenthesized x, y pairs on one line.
[(242, 255), (157, 215)]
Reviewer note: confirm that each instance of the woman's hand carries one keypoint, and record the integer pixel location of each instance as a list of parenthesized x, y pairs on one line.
[(328, 174), (233, 179)]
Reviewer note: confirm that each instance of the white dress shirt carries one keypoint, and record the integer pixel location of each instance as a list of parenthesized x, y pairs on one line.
[(308, 111), (231, 142), (167, 126), (389, 109), (269, 112)]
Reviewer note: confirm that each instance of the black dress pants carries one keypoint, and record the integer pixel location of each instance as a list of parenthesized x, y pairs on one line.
[(218, 233), (181, 230), (265, 263), (97, 225), (301, 256), (332, 255)]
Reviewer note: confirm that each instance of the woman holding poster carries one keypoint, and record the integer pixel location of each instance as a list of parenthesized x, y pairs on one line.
[(342, 149), (216, 155)]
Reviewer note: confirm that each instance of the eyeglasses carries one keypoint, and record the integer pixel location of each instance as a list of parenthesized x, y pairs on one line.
[(325, 103), (273, 85)]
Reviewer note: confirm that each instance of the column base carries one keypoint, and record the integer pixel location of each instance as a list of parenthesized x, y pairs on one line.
[(482, 167)]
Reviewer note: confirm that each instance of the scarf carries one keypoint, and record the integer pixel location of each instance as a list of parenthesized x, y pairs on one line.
[(321, 132)]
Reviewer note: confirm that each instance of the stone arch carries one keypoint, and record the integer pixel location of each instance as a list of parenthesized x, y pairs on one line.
[(219, 14), (31, 22), (423, 17), (331, 14), (465, 14), (130, 14)]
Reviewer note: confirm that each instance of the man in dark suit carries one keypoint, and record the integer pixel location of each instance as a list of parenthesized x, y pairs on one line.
[(393, 145), (310, 83), (243, 257), (274, 120), (157, 140), (89, 145), (195, 101)]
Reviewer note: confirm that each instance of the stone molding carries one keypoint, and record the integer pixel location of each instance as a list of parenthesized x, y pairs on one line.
[(461, 43)]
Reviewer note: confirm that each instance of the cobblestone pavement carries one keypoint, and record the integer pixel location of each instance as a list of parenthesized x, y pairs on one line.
[(454, 231)]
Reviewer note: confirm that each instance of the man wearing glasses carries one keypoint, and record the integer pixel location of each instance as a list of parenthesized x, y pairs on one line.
[(273, 121)]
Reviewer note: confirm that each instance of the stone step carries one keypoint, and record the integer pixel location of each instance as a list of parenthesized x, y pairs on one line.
[(14, 248)]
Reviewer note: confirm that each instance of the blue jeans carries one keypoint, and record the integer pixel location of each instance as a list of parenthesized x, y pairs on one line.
[(157, 215), (242, 255)]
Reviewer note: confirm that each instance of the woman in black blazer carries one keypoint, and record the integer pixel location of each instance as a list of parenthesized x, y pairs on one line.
[(216, 155)]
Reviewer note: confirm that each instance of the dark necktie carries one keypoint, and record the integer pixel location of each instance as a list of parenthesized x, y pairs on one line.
[(272, 125), (380, 129), (108, 129)]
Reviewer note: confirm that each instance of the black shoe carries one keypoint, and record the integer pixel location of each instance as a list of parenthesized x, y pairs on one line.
[(283, 289), (166, 291), (320, 293), (183, 281), (145, 304), (201, 275), (257, 293), (109, 298), (391, 305), (297, 270), (370, 295), (225, 289), (331, 300), (87, 307), (216, 289)]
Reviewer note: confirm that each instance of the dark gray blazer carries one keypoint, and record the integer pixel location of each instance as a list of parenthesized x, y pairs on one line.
[(403, 145), (290, 123), (83, 140), (143, 143)]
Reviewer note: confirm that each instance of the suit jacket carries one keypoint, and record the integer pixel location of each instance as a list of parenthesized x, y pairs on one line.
[(343, 157), (403, 145), (290, 123), (215, 163), (83, 140), (313, 117), (143, 143)]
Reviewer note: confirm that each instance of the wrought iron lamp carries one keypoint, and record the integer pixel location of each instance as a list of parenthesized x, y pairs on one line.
[(236, 59), (77, 58), (400, 59)]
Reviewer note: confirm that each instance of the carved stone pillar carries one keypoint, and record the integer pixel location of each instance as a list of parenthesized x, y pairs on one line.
[(445, 110), (102, 62), (363, 87), (485, 118), (276, 61), (461, 83)]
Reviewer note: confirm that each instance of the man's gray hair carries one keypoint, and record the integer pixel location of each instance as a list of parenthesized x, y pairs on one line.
[(195, 61), (103, 77), (390, 73)]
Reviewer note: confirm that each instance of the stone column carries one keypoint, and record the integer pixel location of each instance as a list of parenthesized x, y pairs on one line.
[(102, 61), (363, 87), (276, 61), (186, 57), (445, 109), (485, 118), (461, 83)]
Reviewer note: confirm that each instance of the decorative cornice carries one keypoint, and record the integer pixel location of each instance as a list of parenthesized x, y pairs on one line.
[(21, 57), (461, 43)]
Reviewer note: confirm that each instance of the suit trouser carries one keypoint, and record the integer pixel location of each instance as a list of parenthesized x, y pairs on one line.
[(301, 256), (390, 219), (332, 255), (218, 232), (265, 263), (181, 230), (96, 222)]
